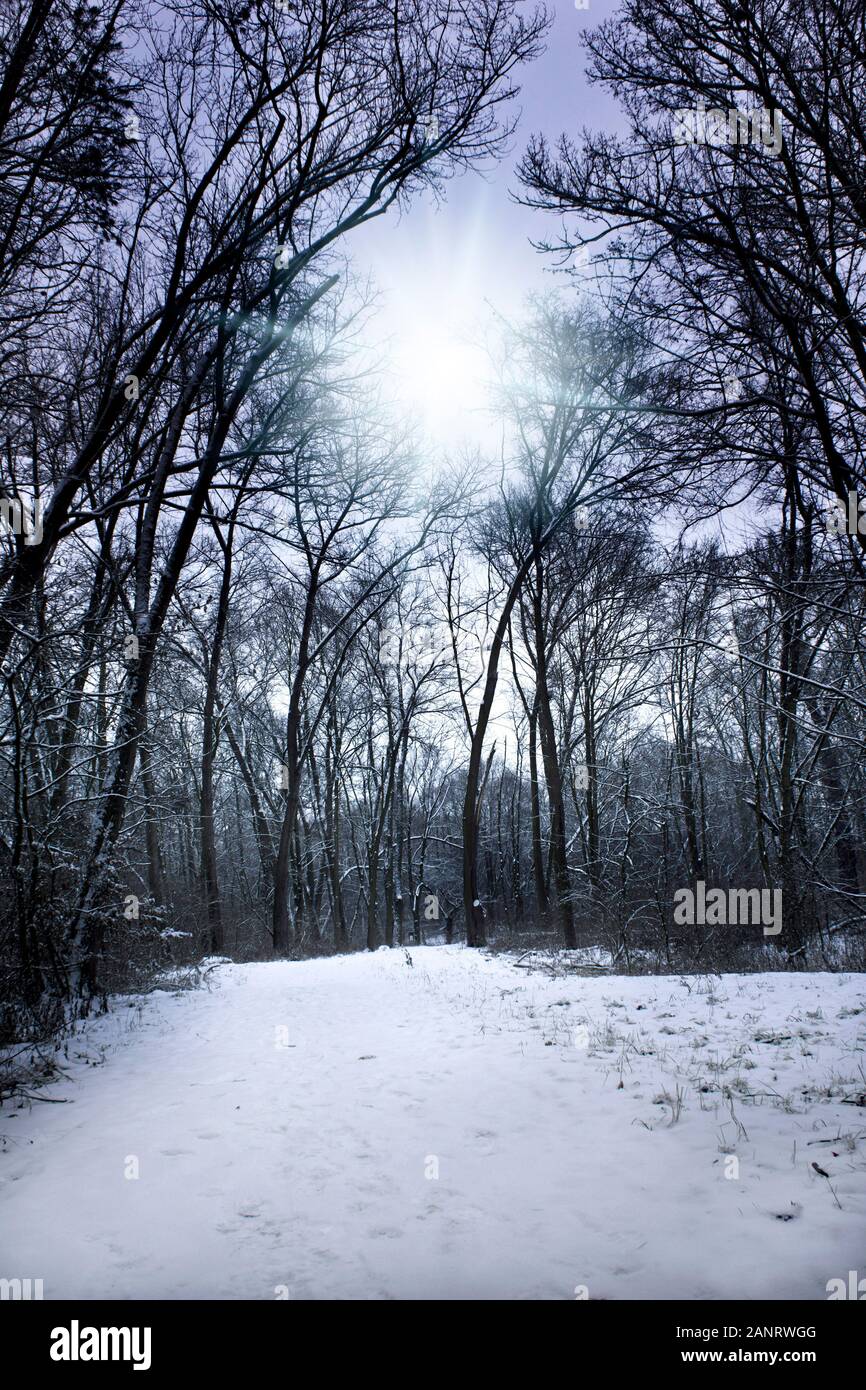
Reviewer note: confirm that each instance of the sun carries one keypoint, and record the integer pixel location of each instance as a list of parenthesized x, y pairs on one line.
[(441, 376), (433, 319)]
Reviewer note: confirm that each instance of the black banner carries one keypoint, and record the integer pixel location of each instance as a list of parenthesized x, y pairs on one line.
[(140, 1339)]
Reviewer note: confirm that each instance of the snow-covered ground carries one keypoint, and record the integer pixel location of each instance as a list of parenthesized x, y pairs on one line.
[(458, 1127)]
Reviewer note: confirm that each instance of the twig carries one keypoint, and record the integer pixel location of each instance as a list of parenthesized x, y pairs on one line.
[(46, 1100)]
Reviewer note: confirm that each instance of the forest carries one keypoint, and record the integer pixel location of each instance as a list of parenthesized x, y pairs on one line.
[(283, 678)]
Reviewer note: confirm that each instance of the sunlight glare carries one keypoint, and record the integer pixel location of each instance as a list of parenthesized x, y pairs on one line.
[(443, 377)]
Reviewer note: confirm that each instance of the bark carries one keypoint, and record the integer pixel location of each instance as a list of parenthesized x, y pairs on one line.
[(552, 770), (210, 739)]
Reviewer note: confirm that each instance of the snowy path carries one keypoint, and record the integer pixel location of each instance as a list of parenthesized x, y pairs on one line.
[(305, 1158)]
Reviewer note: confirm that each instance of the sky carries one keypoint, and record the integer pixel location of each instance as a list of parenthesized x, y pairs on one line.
[(438, 268)]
